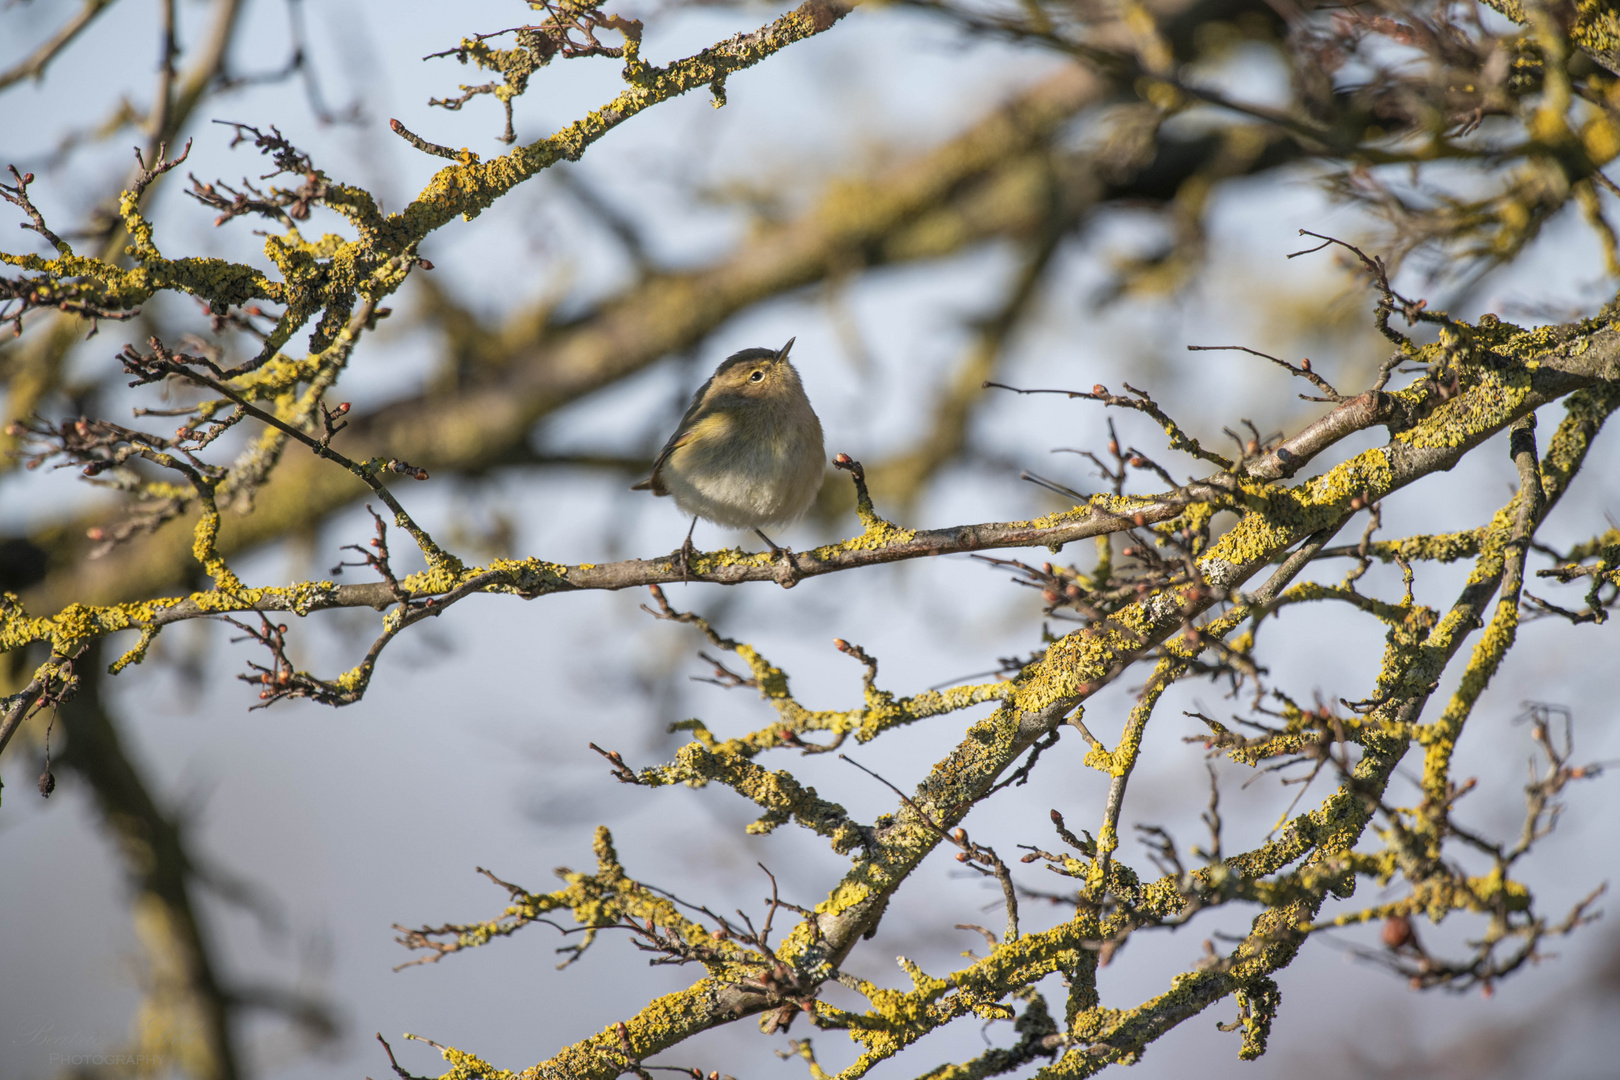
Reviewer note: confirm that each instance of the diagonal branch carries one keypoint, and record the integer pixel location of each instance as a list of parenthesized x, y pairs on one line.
[(34, 66)]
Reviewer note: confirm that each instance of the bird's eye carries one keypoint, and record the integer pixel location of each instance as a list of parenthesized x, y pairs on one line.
[(756, 376)]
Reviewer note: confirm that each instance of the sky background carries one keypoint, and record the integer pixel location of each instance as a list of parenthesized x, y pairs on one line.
[(470, 749)]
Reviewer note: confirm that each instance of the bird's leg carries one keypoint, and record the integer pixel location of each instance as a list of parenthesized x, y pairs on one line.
[(687, 551), (785, 555)]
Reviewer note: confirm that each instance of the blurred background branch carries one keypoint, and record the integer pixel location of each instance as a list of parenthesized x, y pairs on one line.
[(1064, 208)]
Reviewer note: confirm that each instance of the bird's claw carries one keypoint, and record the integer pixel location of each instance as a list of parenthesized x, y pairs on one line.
[(683, 555), (791, 573)]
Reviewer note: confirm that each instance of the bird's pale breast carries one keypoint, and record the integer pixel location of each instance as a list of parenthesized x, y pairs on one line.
[(766, 475)]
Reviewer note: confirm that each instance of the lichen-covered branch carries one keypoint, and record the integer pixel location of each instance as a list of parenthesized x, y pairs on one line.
[(1186, 583), (1290, 876)]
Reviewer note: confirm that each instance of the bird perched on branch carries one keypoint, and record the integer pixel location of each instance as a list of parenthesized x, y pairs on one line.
[(748, 452)]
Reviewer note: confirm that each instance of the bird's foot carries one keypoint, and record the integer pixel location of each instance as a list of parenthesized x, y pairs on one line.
[(790, 574), (683, 556)]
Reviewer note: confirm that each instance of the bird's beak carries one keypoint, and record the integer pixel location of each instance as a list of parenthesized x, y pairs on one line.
[(782, 355)]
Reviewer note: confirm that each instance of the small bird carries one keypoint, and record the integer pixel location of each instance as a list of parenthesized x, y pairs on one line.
[(748, 452)]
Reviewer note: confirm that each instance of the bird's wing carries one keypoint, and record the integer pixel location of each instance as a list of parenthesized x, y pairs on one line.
[(683, 435), (655, 482)]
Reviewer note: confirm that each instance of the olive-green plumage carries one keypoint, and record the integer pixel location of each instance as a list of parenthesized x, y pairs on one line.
[(748, 452)]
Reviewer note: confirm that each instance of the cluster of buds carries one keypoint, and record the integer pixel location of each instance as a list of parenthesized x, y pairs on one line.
[(404, 468), (279, 679), (278, 204)]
